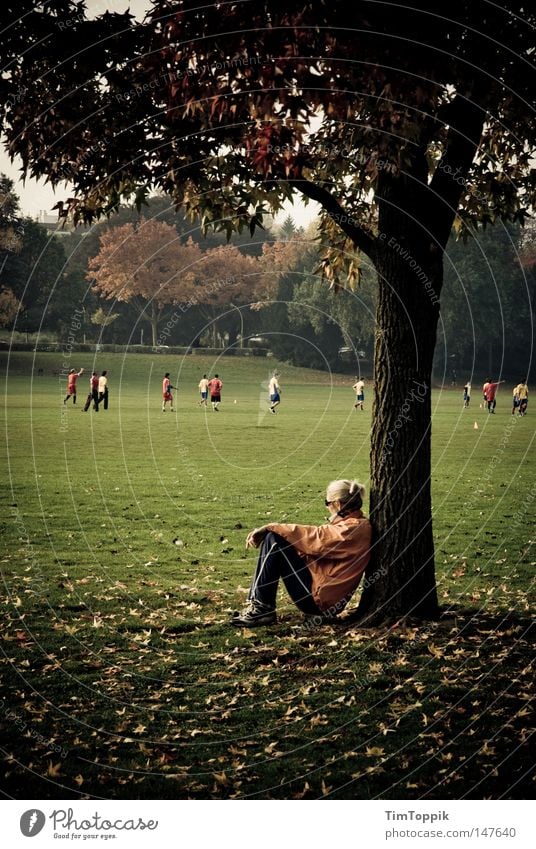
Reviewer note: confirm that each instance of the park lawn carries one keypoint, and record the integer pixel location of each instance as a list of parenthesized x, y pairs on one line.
[(123, 559)]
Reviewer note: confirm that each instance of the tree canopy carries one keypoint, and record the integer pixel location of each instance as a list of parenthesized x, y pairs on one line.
[(229, 107), (149, 265)]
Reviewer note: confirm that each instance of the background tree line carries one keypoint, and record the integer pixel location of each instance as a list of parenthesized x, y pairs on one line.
[(268, 286)]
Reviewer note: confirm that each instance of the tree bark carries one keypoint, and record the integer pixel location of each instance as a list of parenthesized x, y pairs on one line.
[(400, 580), (154, 323)]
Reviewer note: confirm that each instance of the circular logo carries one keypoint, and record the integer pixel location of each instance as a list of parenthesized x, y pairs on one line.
[(31, 822)]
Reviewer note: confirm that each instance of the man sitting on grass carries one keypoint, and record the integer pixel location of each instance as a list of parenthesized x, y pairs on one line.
[(321, 565)]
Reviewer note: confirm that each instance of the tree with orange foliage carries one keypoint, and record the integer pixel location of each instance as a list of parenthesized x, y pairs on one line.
[(147, 265), (223, 277)]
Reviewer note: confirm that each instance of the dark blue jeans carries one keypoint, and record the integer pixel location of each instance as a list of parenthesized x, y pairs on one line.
[(278, 559)]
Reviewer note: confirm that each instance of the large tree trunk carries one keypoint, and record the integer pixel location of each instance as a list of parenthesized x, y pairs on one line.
[(400, 580)]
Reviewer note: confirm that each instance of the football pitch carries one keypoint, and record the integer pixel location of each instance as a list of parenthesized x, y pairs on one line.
[(123, 559)]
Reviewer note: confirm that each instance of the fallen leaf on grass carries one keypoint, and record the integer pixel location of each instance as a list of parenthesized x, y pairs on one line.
[(374, 751), (54, 770)]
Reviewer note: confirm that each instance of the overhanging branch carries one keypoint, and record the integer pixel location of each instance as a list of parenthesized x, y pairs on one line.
[(345, 220)]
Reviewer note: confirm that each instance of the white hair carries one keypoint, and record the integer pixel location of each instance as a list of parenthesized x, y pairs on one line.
[(349, 493)]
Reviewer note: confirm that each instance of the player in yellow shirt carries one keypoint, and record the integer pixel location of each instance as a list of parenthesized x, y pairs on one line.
[(521, 393)]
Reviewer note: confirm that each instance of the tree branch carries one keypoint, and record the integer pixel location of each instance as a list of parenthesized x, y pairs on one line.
[(345, 220), (465, 120)]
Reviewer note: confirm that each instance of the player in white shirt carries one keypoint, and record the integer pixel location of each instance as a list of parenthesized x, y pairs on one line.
[(359, 388), (274, 390)]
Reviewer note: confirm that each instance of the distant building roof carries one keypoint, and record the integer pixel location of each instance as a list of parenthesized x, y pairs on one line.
[(51, 222)]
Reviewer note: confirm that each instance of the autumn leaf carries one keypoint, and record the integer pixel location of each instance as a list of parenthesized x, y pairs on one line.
[(221, 779), (301, 793), (54, 770)]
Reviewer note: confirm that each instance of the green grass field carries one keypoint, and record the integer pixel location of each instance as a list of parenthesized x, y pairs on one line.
[(123, 558)]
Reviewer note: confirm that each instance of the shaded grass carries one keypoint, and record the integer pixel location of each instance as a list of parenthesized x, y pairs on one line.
[(124, 556)]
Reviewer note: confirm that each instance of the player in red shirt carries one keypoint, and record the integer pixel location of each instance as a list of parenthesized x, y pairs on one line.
[(166, 392), (93, 393), (214, 387), (491, 389), (72, 377)]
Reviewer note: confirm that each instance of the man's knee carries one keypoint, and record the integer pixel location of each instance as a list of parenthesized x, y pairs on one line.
[(272, 538)]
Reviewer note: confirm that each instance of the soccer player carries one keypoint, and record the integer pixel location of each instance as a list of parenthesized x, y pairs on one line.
[(522, 392), (103, 389), (515, 401), (485, 393), (72, 377), (466, 394), (359, 388), (203, 391), (274, 391), (93, 393), (214, 386), (166, 393), (491, 389)]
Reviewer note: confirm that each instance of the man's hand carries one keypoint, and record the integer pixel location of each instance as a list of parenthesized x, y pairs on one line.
[(255, 537)]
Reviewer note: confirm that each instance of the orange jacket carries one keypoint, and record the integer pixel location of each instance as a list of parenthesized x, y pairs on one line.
[(337, 554)]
